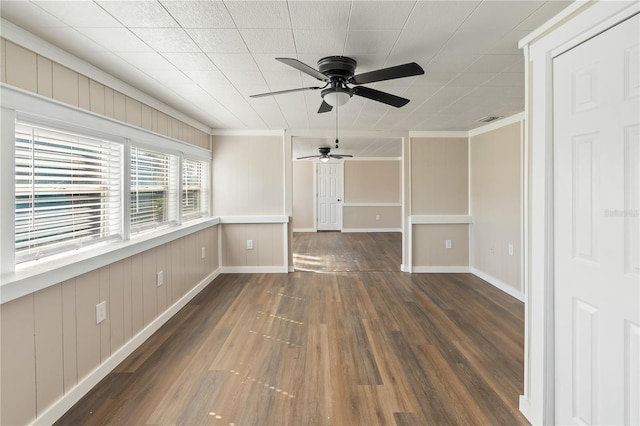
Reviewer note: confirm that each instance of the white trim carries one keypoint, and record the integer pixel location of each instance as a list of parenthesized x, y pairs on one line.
[(501, 285), (371, 229), (437, 134), (31, 42), (554, 22), (497, 124), (371, 204), (60, 407), (538, 402), (346, 133), (37, 275), (441, 269), (254, 269), (7, 189), (254, 219), (426, 219), (247, 132), (305, 230)]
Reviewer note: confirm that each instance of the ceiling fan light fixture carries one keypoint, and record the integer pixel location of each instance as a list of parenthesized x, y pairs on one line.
[(336, 97), (324, 159)]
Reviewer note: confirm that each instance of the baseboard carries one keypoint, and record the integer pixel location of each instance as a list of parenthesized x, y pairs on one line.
[(440, 269), (60, 407), (254, 269), (305, 230), (371, 229), (499, 284)]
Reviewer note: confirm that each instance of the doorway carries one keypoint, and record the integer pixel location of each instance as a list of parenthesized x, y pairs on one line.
[(329, 190), (596, 254)]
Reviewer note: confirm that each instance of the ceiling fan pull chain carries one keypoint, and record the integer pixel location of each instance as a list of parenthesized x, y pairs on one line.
[(337, 141)]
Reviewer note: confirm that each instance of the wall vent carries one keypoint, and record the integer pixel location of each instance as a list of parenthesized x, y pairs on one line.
[(488, 119)]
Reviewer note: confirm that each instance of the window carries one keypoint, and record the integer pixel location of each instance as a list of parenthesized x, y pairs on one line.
[(154, 181), (67, 193), (195, 188)]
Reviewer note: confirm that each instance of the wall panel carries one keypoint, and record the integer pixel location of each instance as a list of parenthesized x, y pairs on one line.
[(69, 338), (84, 93), (45, 77), (65, 85), (21, 67), (18, 384), (48, 345)]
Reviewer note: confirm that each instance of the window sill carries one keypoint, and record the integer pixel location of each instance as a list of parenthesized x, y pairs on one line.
[(37, 275)]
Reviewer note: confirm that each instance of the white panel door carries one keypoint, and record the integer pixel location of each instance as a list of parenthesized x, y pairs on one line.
[(596, 234), (329, 192)]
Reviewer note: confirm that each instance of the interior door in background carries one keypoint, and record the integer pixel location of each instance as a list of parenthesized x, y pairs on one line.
[(329, 196), (596, 257)]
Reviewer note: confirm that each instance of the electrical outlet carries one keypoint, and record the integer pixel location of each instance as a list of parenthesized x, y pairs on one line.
[(377, 217), (160, 278), (203, 252), (447, 244), (510, 249), (101, 312), (249, 244)]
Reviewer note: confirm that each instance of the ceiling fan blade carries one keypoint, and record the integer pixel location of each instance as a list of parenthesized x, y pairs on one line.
[(308, 156), (399, 71), (340, 155), (377, 95), (280, 92), (300, 66), (324, 107)]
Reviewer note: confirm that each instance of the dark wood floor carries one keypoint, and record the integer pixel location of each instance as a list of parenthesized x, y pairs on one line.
[(367, 347)]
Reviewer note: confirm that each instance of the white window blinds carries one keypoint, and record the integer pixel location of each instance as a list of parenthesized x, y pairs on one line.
[(154, 182), (67, 193), (195, 188)]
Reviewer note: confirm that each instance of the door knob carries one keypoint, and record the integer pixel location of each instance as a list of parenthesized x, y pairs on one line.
[(339, 200)]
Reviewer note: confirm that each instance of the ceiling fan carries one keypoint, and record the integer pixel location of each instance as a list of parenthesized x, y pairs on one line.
[(338, 73), (325, 155)]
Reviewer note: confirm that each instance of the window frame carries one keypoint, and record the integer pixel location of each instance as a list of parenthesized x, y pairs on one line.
[(25, 106)]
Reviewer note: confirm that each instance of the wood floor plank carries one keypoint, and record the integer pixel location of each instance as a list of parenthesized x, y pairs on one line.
[(346, 339)]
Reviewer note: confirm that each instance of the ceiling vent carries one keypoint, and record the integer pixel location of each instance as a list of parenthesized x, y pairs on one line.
[(488, 119)]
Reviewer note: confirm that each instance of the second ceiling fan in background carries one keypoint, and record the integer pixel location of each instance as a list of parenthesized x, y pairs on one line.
[(338, 72)]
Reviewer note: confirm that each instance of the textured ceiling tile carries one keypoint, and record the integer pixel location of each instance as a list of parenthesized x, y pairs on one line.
[(139, 13), (542, 14), (190, 60), (446, 63), (472, 79), (200, 14), (370, 42), (259, 14), (28, 15), (233, 61), (267, 61), (116, 39), (379, 15), (167, 39), (283, 80), (218, 40), (515, 79), (151, 60), (319, 15), (70, 40), (79, 13), (322, 42), (493, 63), (268, 40), (247, 79)]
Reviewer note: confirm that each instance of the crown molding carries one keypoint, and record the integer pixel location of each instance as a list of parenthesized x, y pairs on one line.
[(516, 118)]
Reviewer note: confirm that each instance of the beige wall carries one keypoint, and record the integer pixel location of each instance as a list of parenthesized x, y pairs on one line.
[(50, 340), (248, 175), (268, 245), (25, 69), (388, 217), (495, 203), (440, 186), (429, 245), (303, 195), (439, 176), (372, 181)]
